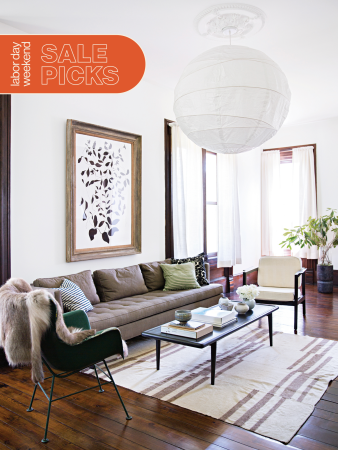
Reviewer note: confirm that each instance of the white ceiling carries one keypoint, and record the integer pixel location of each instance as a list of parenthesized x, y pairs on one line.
[(300, 35)]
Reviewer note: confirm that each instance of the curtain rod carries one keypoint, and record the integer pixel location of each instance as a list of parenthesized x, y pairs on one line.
[(287, 149)]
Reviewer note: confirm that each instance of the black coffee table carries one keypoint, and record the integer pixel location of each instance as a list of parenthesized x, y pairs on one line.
[(211, 339)]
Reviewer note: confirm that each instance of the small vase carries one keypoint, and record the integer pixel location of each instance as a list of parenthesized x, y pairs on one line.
[(223, 303), (242, 307), (250, 303)]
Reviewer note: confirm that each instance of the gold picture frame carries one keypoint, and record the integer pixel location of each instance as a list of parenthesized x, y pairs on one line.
[(104, 169)]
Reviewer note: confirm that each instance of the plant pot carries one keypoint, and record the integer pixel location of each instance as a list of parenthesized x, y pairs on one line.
[(325, 279)]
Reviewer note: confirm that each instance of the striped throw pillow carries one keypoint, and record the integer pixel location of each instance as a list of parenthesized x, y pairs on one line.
[(73, 298), (179, 276)]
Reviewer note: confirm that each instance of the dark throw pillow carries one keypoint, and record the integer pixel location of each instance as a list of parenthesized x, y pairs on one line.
[(201, 274)]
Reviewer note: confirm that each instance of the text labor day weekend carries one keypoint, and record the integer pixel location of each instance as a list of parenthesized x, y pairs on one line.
[(70, 64), (23, 66)]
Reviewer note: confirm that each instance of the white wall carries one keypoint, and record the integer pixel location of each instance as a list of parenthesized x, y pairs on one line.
[(249, 191), (39, 174), (324, 133)]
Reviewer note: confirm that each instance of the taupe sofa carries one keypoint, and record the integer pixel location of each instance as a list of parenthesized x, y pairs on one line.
[(132, 298)]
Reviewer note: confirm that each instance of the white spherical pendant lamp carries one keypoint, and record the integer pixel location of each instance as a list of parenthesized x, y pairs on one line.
[(231, 99)]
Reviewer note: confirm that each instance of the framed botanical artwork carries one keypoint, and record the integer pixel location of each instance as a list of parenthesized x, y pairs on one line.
[(103, 192)]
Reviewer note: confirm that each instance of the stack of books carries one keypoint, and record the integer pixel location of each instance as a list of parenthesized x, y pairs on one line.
[(214, 316), (190, 329)]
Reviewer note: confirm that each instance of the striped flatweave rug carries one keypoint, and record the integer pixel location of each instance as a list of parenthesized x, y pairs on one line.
[(267, 390)]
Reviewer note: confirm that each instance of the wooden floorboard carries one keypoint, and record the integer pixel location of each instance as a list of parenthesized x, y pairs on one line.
[(93, 420)]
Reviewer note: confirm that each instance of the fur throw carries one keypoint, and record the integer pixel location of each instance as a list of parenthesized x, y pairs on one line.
[(24, 318)]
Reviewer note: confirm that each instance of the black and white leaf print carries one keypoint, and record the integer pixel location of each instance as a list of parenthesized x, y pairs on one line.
[(112, 231), (98, 204), (92, 233)]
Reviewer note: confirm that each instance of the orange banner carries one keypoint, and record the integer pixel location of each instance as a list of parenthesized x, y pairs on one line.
[(69, 64)]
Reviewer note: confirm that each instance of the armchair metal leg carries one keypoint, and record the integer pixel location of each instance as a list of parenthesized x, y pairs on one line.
[(296, 318), (98, 379), (31, 403), (44, 440), (128, 417)]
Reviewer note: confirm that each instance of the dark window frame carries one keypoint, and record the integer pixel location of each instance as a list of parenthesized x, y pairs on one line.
[(5, 199), (222, 276), (286, 156), (169, 234), (211, 256), (5, 182)]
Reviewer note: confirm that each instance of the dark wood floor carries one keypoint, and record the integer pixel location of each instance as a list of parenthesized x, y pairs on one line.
[(96, 421)]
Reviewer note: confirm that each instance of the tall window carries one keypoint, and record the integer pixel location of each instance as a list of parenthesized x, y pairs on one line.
[(211, 203), (286, 171), (196, 206), (288, 194)]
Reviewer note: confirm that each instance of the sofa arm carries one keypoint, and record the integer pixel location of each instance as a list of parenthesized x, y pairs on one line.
[(246, 272), (207, 270), (55, 293), (58, 298), (77, 319), (297, 275), (301, 271)]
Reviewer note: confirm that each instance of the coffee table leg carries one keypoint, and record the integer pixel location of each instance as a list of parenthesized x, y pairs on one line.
[(158, 353), (270, 328), (213, 361)]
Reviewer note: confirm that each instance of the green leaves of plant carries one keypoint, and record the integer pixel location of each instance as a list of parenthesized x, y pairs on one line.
[(314, 233)]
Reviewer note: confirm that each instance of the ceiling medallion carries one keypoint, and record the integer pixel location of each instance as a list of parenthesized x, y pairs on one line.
[(234, 20)]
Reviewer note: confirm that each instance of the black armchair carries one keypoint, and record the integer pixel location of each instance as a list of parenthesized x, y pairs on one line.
[(69, 359)]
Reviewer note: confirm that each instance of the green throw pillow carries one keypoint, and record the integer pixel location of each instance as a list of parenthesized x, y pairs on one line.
[(179, 276)]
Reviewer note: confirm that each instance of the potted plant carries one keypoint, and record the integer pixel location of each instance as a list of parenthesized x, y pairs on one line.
[(323, 233)]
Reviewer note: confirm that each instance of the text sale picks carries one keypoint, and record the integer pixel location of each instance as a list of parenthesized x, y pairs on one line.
[(72, 64)]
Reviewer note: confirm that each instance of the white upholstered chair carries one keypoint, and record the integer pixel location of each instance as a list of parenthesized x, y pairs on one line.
[(279, 279)]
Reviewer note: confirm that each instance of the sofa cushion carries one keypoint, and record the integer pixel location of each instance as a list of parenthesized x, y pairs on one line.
[(132, 309), (113, 284), (82, 279), (153, 274), (272, 294), (179, 276)]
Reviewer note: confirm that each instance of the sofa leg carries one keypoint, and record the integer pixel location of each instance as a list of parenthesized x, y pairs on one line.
[(296, 318), (304, 307)]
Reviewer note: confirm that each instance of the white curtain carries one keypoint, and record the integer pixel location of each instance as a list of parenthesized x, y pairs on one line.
[(187, 191), (304, 188), (271, 225), (229, 234)]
